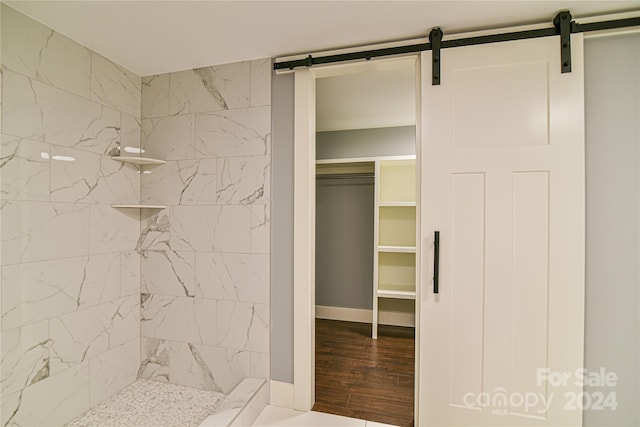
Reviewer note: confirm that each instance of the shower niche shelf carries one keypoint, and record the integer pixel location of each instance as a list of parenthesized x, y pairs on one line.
[(139, 160)]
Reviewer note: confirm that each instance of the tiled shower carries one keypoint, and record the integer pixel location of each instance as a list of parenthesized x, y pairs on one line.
[(93, 297)]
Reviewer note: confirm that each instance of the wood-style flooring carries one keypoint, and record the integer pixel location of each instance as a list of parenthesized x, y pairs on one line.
[(360, 377)]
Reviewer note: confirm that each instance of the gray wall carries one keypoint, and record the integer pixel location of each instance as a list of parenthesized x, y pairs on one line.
[(612, 91), (392, 141), (344, 242), (282, 228)]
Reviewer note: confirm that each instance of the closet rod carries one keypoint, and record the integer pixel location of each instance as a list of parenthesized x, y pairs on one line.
[(345, 175)]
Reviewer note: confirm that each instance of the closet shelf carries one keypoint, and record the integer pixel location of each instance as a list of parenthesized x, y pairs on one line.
[(139, 160), (139, 206), (399, 249), (396, 294), (396, 204)]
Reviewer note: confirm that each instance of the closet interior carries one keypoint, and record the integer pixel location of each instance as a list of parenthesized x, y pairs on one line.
[(366, 243)]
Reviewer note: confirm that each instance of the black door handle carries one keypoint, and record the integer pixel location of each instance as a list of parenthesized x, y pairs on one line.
[(436, 260)]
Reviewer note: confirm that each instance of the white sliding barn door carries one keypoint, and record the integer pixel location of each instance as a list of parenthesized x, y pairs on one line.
[(503, 181)]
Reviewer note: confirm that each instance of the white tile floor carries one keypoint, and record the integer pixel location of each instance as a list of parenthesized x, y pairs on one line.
[(276, 416)]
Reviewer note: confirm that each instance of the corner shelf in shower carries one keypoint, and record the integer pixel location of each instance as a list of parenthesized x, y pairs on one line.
[(139, 160), (139, 206)]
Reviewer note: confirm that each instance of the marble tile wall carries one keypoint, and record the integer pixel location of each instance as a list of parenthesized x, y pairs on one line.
[(69, 272), (205, 258)]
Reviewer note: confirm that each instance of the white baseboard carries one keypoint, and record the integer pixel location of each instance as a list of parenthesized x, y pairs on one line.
[(395, 318), (281, 394)]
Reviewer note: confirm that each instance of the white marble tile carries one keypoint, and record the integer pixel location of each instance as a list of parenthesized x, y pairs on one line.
[(40, 290), (232, 277), (34, 50), (261, 70), (168, 273), (277, 416), (36, 231), (260, 365), (242, 132), (100, 281), (25, 357), (129, 273), (155, 229), (232, 411), (211, 228), (78, 336), (113, 370), (24, 169), (168, 317), (169, 138), (182, 182), (243, 326), (206, 318), (114, 86), (244, 180), (154, 359), (222, 87), (113, 230), (83, 177), (53, 401), (34, 110), (255, 406), (260, 229), (207, 367), (155, 96), (130, 134)]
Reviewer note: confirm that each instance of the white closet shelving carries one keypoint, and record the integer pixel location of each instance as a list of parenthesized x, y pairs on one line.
[(394, 275), (138, 161), (394, 254)]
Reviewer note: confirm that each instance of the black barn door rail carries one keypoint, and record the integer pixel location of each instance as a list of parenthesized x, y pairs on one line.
[(563, 27)]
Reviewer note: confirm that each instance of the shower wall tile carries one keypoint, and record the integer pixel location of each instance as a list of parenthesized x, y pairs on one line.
[(37, 231), (70, 279), (242, 132), (211, 228), (233, 277), (37, 111), (113, 230), (25, 357), (34, 50), (83, 177), (260, 229), (24, 169), (131, 127), (53, 401), (205, 278), (114, 86), (113, 370), (168, 317), (221, 87), (169, 138), (261, 82), (155, 225), (168, 273), (129, 273), (155, 96), (207, 367), (40, 290), (78, 336), (154, 359), (243, 326), (244, 180)]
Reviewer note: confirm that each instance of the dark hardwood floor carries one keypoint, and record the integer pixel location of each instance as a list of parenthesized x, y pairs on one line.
[(360, 377)]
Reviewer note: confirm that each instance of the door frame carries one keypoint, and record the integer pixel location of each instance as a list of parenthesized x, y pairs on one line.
[(304, 224)]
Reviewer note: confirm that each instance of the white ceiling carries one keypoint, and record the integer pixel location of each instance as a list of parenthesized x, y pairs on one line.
[(152, 37)]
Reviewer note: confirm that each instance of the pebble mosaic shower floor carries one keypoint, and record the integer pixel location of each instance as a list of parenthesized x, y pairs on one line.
[(152, 404)]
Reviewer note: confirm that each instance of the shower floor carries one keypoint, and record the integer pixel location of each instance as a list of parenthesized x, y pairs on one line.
[(152, 404)]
